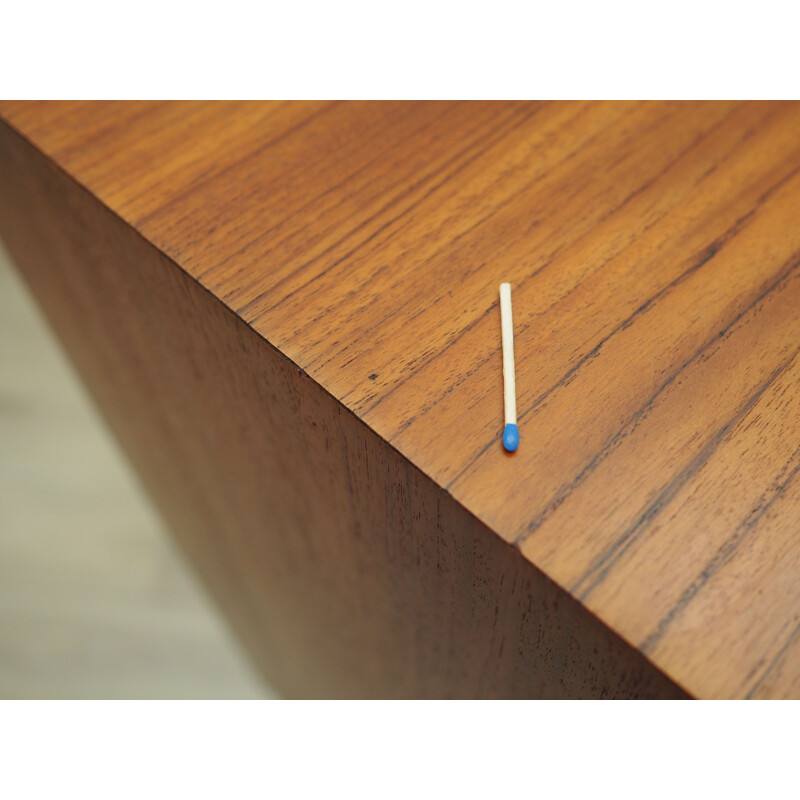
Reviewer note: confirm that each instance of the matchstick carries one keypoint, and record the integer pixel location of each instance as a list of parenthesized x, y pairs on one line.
[(510, 432)]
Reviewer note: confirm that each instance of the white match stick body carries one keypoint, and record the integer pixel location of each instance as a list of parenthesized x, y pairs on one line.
[(510, 432), (509, 383)]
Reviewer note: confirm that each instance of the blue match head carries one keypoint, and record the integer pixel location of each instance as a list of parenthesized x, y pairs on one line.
[(511, 437)]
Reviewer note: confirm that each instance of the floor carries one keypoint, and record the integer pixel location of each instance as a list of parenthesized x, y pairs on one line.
[(95, 601)]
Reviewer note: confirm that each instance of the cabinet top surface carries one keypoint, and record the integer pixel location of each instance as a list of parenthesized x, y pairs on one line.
[(654, 255)]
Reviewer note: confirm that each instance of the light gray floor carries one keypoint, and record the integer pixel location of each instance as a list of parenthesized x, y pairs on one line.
[(95, 601)]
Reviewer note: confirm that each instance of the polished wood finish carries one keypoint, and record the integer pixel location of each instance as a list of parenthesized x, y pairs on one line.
[(356, 250), (346, 571)]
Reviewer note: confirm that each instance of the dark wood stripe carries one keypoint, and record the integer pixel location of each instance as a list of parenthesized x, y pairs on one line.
[(641, 414), (725, 552), (703, 258), (774, 663), (603, 565)]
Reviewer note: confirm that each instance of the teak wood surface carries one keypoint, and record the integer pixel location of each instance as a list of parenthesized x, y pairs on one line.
[(289, 314)]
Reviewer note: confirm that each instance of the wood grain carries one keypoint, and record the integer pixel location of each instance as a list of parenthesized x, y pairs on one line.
[(346, 571), (653, 251)]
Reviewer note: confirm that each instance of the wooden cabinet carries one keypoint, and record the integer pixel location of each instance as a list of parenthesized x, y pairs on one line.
[(288, 313)]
